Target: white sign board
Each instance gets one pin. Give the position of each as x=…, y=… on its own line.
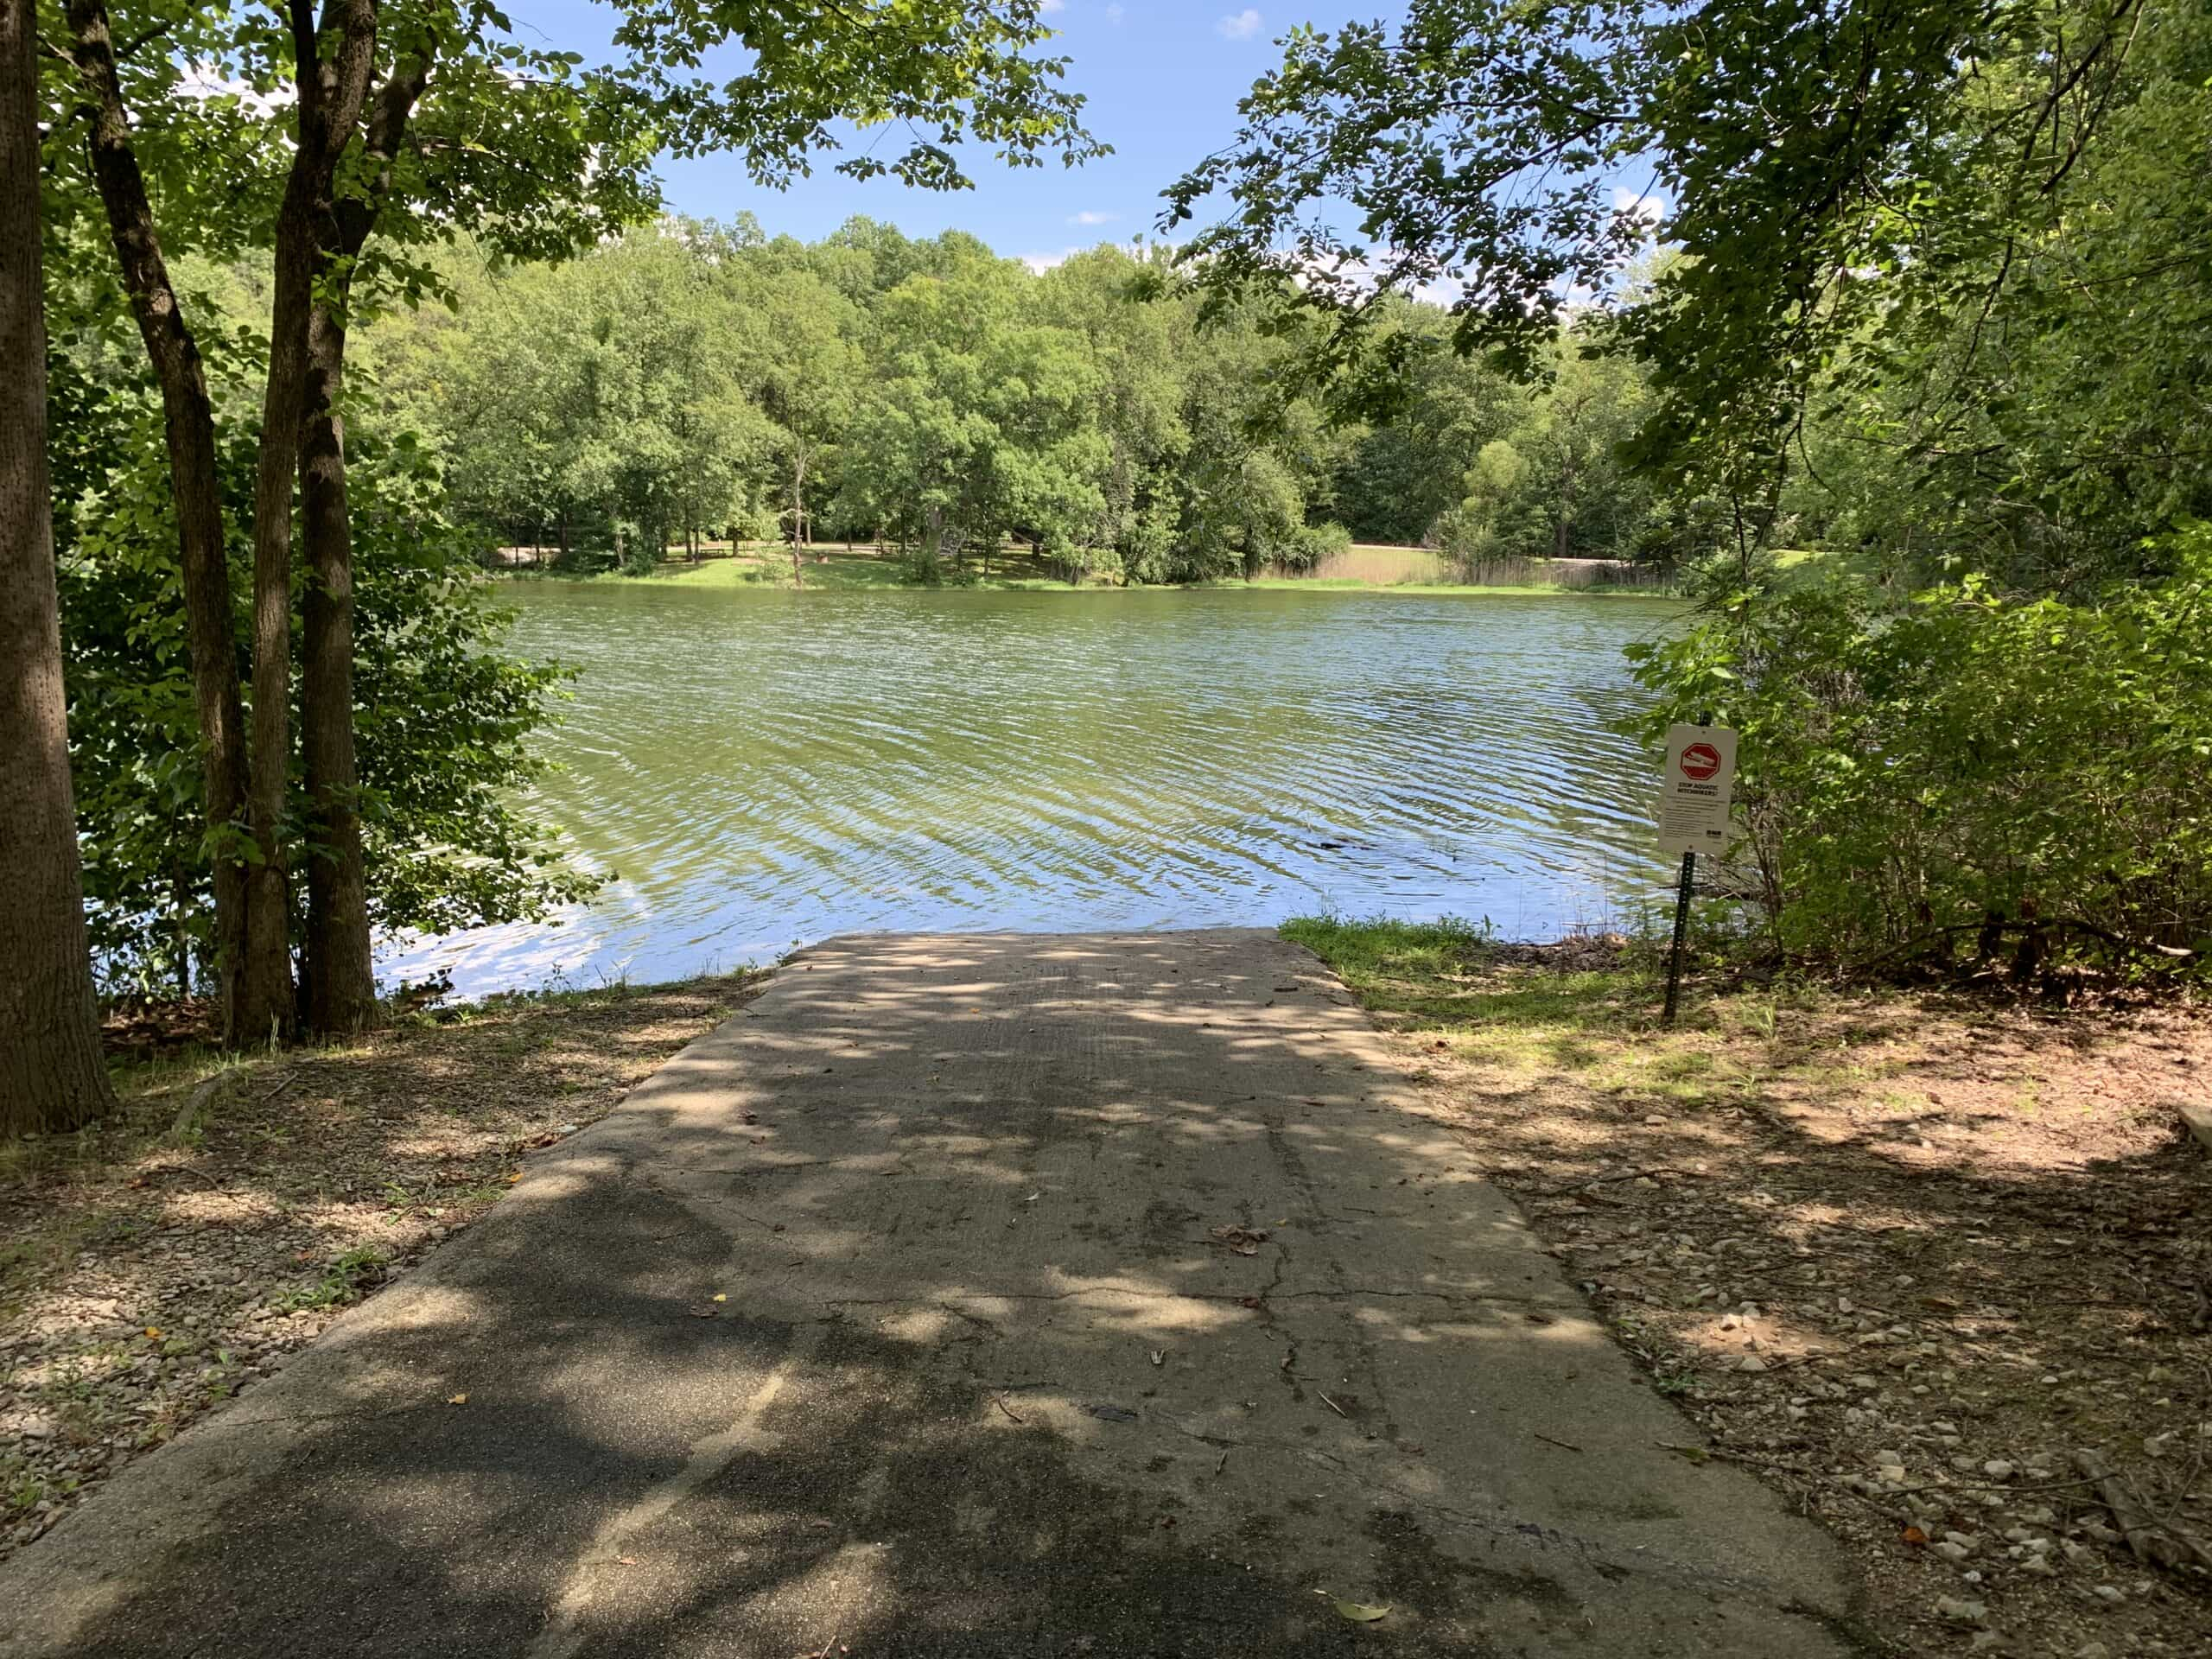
x=1701, y=781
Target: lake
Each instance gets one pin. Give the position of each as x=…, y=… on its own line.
x=754, y=770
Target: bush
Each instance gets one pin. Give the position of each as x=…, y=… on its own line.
x=1311, y=546
x=1970, y=776
x=445, y=715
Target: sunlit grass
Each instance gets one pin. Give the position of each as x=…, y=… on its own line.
x=831, y=568
x=1445, y=976
x=1452, y=988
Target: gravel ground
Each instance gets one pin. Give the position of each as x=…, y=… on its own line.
x=179, y=1253
x=1930, y=1265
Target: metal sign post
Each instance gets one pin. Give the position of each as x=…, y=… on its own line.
x=1682, y=931
x=1693, y=802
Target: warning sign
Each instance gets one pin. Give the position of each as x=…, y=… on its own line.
x=1700, y=783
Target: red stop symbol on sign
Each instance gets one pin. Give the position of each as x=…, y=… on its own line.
x=1700, y=761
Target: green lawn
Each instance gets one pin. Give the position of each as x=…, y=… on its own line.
x=831, y=568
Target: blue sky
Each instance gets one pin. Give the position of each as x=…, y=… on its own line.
x=1163, y=78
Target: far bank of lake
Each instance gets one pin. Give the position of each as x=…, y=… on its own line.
x=760, y=768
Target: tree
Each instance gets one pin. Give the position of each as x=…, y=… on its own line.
x=1484, y=145
x=337, y=97
x=983, y=422
x=173, y=350
x=451, y=837
x=1142, y=349
x=52, y=1076
x=803, y=369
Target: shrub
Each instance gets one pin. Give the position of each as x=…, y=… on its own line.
x=1311, y=546
x=1969, y=775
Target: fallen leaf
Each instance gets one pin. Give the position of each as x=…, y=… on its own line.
x=153, y=1333
x=626, y=1560
x=456, y=1400
x=720, y=1296
x=1359, y=1612
x=1159, y=1356
x=1244, y=1241
x=1915, y=1536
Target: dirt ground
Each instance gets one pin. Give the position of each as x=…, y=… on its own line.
x=179, y=1253
x=1938, y=1268
x=1931, y=1265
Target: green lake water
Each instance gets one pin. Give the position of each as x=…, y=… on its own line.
x=757, y=769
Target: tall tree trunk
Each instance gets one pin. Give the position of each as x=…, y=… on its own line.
x=1562, y=538
x=265, y=992
x=333, y=86
x=51, y=1073
x=341, y=978
x=798, y=575
x=188, y=418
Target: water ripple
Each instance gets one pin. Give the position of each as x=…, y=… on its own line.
x=763, y=769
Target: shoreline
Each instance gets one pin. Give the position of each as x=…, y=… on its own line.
x=859, y=572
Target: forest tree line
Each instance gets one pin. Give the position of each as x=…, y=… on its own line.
x=690, y=381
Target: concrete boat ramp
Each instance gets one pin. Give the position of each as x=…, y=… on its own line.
x=990, y=1295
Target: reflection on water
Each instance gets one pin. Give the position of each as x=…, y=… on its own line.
x=757, y=769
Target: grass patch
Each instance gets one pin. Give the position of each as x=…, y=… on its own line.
x=762, y=569
x=1453, y=978
x=1353, y=584
x=351, y=1277
x=824, y=569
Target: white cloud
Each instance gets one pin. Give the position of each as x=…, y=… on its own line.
x=1648, y=205
x=1242, y=27
x=1052, y=6
x=1092, y=216
x=1114, y=14
x=1418, y=278
x=1041, y=262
